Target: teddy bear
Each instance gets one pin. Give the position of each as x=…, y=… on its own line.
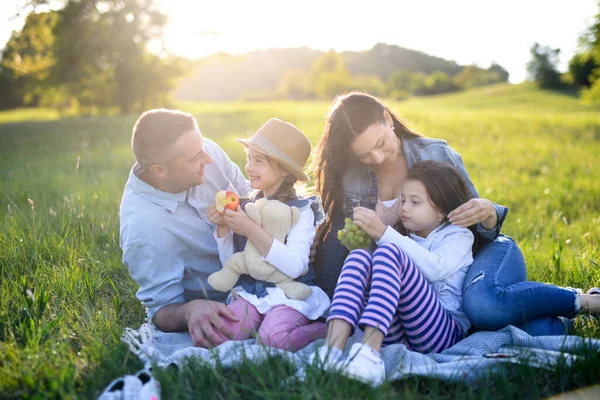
x=277, y=219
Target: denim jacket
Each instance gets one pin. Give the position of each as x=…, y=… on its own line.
x=360, y=189
x=258, y=288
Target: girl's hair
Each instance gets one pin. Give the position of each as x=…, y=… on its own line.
x=348, y=117
x=445, y=185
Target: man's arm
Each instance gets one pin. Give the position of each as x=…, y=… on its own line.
x=233, y=172
x=158, y=274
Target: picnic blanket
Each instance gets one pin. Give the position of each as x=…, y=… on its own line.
x=479, y=353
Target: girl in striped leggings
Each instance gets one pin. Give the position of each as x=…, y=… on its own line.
x=410, y=289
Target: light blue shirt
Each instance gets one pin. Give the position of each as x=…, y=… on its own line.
x=167, y=239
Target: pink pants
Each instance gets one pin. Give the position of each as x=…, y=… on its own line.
x=282, y=327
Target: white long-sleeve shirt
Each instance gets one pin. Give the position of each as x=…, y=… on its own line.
x=291, y=258
x=443, y=257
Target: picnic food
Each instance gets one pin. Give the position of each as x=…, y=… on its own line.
x=226, y=200
x=353, y=237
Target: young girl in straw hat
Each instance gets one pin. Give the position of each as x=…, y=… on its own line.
x=276, y=155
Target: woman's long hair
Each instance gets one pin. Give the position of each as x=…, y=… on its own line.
x=445, y=185
x=348, y=117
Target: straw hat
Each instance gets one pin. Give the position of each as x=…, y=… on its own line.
x=282, y=142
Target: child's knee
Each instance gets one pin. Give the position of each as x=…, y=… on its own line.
x=387, y=247
x=278, y=339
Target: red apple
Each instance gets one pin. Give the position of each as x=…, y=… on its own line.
x=226, y=200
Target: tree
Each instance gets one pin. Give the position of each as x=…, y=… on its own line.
x=102, y=57
x=439, y=82
x=329, y=76
x=295, y=85
x=581, y=68
x=590, y=44
x=27, y=61
x=499, y=71
x=542, y=67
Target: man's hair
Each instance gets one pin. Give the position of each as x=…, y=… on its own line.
x=157, y=130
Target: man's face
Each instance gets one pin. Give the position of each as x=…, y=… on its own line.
x=185, y=161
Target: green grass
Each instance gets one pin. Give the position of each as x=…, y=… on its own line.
x=536, y=152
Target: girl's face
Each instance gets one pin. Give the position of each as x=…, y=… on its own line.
x=377, y=145
x=263, y=175
x=418, y=215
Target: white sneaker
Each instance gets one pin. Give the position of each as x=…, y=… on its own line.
x=326, y=357
x=365, y=364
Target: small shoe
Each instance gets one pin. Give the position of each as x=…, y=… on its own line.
x=365, y=364
x=150, y=386
x=327, y=358
x=594, y=291
x=590, y=304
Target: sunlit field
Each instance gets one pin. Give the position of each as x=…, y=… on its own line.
x=65, y=295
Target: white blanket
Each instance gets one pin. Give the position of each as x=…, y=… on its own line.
x=478, y=354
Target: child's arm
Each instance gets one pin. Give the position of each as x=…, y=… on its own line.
x=222, y=234
x=439, y=262
x=291, y=258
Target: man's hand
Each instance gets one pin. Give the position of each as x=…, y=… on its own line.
x=207, y=322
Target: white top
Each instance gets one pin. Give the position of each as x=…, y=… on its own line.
x=389, y=203
x=290, y=258
x=443, y=257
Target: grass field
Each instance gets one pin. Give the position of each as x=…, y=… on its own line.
x=65, y=296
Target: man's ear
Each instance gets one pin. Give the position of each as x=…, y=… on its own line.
x=158, y=170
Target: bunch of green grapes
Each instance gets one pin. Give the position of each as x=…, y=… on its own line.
x=353, y=237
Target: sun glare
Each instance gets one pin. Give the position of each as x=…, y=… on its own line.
x=475, y=33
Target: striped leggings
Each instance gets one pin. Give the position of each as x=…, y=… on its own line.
x=389, y=293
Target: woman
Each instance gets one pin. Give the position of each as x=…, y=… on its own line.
x=362, y=160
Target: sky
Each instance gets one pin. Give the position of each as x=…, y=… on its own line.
x=467, y=31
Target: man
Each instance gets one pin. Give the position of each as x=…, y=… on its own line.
x=166, y=237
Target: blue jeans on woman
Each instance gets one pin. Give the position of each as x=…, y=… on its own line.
x=496, y=293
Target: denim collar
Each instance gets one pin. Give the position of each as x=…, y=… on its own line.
x=167, y=200
x=409, y=148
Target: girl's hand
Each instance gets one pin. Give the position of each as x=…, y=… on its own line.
x=239, y=222
x=369, y=222
x=473, y=212
x=215, y=217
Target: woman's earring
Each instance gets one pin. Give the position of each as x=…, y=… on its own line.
x=440, y=218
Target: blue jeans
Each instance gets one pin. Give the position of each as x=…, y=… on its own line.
x=496, y=293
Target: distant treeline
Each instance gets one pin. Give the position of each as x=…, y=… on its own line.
x=303, y=73
x=89, y=56
x=584, y=66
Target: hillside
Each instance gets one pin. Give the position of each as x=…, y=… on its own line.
x=505, y=97
x=226, y=78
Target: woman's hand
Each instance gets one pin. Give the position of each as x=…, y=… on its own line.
x=239, y=222
x=475, y=211
x=369, y=222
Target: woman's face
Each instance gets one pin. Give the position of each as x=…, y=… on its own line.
x=377, y=144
